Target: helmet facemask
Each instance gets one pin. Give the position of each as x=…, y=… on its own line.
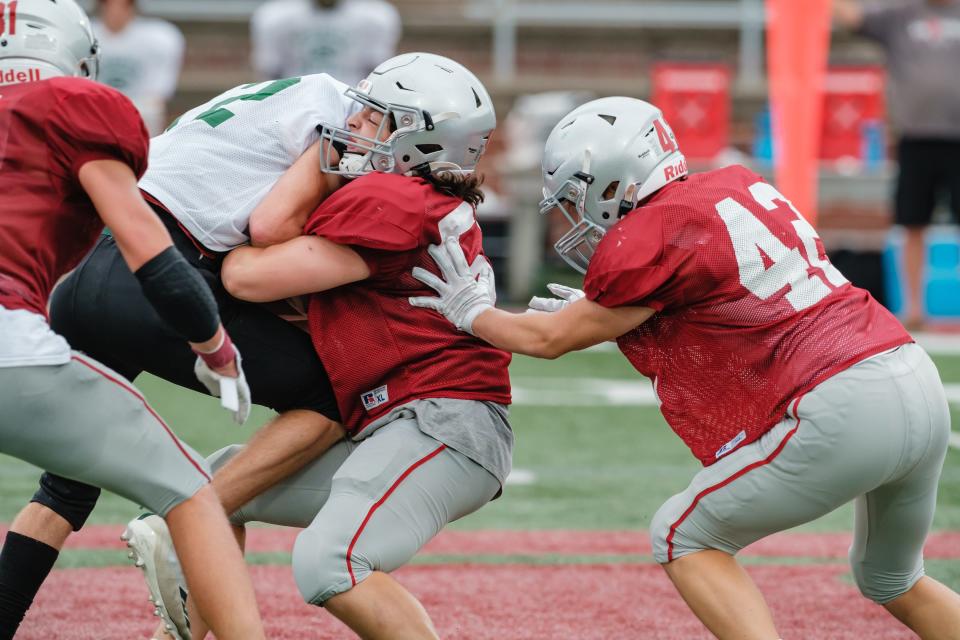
x=576, y=246
x=600, y=162
x=378, y=155
x=589, y=218
x=439, y=113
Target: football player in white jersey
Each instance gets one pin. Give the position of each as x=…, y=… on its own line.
x=141, y=57
x=345, y=38
x=209, y=180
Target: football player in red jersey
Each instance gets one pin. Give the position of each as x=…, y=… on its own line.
x=796, y=390
x=72, y=151
x=424, y=405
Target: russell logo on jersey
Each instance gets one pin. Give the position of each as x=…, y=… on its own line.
x=374, y=398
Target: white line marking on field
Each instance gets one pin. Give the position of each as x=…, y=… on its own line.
x=955, y=440
x=945, y=344
x=939, y=343
x=521, y=477
x=595, y=392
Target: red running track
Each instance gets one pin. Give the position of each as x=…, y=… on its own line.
x=503, y=601
x=481, y=602
x=943, y=544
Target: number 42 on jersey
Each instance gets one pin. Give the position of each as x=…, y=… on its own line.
x=784, y=267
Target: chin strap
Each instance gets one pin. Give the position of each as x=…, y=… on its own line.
x=629, y=202
x=353, y=162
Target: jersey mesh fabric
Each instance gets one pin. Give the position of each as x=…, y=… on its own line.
x=380, y=351
x=48, y=131
x=724, y=361
x=255, y=130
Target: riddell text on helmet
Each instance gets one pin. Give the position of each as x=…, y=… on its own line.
x=18, y=75
x=675, y=170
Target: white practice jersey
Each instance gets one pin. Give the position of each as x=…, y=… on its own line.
x=26, y=340
x=293, y=37
x=216, y=162
x=143, y=62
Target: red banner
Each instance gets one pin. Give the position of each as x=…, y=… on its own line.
x=695, y=100
x=853, y=97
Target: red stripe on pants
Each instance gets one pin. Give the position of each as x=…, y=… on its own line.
x=379, y=503
x=139, y=397
x=720, y=485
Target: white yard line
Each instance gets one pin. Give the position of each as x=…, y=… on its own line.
x=606, y=392
x=939, y=343
x=943, y=344
x=521, y=477
x=955, y=440
x=594, y=392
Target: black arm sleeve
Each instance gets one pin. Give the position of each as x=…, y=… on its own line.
x=179, y=295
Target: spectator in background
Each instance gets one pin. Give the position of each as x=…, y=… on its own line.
x=922, y=42
x=141, y=57
x=345, y=38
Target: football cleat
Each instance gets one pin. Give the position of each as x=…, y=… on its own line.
x=152, y=551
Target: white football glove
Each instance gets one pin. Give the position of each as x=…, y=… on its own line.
x=234, y=393
x=463, y=295
x=565, y=294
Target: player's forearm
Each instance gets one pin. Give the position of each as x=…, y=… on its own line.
x=578, y=325
x=306, y=264
x=281, y=214
x=242, y=276
x=531, y=334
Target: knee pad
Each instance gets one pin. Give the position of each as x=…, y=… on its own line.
x=659, y=531
x=69, y=499
x=881, y=585
x=216, y=460
x=321, y=566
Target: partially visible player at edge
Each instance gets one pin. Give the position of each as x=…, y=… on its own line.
x=797, y=390
x=72, y=151
x=214, y=181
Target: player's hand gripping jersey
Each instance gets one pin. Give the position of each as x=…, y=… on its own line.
x=258, y=130
x=48, y=130
x=750, y=311
x=379, y=350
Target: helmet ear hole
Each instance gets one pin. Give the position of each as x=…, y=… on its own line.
x=427, y=149
x=611, y=190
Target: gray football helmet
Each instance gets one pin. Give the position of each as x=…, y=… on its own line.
x=442, y=113
x=46, y=38
x=600, y=160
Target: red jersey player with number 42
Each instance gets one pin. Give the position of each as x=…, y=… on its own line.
x=797, y=390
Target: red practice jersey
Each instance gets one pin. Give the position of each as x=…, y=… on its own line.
x=48, y=130
x=379, y=350
x=750, y=312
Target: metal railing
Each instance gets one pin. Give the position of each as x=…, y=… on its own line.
x=506, y=17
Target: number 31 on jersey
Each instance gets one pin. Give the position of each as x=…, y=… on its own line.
x=784, y=267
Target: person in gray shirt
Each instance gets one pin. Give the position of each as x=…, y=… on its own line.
x=921, y=39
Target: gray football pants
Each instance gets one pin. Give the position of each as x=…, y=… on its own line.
x=875, y=433
x=369, y=505
x=85, y=422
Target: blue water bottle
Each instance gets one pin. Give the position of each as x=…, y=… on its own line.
x=873, y=147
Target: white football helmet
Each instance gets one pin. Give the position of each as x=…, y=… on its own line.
x=604, y=157
x=46, y=38
x=441, y=112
